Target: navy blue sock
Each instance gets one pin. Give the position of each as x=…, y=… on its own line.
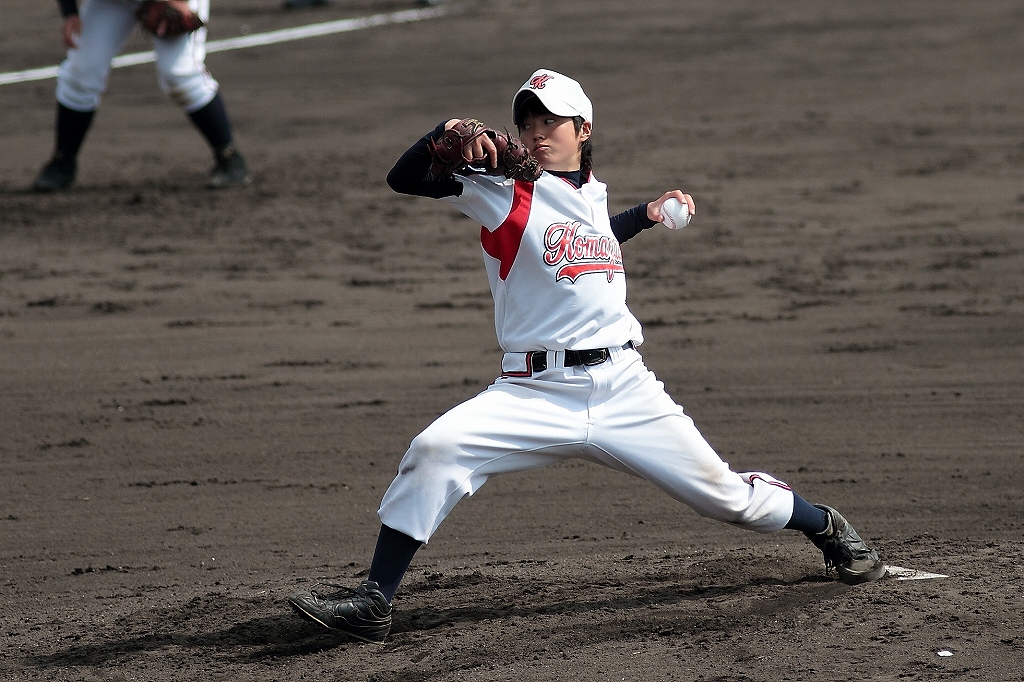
x=807, y=518
x=72, y=126
x=212, y=121
x=391, y=559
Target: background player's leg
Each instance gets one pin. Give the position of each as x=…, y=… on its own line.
x=59, y=173
x=230, y=167
x=71, y=129
x=82, y=78
x=182, y=74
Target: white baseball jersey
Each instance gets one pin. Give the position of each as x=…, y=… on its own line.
x=554, y=266
x=556, y=274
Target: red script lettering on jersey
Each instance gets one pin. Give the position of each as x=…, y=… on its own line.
x=582, y=254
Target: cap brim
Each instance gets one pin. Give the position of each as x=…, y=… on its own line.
x=553, y=104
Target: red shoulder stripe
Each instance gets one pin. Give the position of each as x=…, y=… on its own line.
x=503, y=243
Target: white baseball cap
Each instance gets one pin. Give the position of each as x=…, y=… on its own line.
x=559, y=94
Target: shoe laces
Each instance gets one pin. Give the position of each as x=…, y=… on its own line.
x=837, y=553
x=840, y=549
x=839, y=543
x=340, y=591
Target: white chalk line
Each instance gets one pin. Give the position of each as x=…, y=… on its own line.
x=901, y=573
x=257, y=39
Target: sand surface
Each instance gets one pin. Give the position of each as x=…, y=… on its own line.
x=205, y=394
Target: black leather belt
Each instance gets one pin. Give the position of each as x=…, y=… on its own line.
x=593, y=356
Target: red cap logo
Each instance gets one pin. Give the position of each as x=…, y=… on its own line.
x=538, y=82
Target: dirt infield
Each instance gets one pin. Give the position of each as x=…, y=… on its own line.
x=205, y=394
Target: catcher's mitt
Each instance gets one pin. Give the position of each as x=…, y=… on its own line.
x=167, y=18
x=514, y=160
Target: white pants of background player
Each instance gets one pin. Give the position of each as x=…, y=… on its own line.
x=106, y=25
x=616, y=414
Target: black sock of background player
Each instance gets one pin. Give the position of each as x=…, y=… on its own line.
x=807, y=518
x=71, y=129
x=212, y=122
x=391, y=559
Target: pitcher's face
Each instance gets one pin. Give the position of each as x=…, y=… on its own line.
x=553, y=140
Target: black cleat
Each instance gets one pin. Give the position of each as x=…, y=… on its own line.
x=844, y=551
x=363, y=613
x=231, y=170
x=56, y=176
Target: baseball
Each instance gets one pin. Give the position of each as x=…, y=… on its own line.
x=675, y=215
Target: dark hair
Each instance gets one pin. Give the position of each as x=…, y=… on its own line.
x=528, y=104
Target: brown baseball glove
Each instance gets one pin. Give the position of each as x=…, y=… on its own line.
x=514, y=160
x=167, y=18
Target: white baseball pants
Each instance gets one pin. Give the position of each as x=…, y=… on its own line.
x=616, y=414
x=106, y=25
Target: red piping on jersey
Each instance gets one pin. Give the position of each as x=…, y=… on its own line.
x=777, y=484
x=584, y=179
x=503, y=243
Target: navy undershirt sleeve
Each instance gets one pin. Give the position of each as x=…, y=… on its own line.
x=631, y=222
x=411, y=173
x=68, y=7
